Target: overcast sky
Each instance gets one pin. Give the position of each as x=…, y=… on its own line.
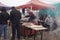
x=21, y=2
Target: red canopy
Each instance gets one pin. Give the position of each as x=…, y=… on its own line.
x=35, y=5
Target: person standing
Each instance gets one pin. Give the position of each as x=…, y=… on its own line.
x=15, y=17
x=23, y=11
x=4, y=17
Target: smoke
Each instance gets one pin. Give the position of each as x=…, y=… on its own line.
x=57, y=21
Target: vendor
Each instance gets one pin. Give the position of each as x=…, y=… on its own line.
x=31, y=15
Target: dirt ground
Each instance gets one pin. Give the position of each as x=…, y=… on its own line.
x=46, y=36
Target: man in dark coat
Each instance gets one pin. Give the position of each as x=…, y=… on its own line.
x=15, y=17
x=4, y=17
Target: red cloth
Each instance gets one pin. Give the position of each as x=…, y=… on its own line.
x=27, y=31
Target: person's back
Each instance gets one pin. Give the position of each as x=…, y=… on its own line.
x=15, y=16
x=4, y=16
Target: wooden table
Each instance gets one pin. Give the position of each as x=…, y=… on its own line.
x=35, y=27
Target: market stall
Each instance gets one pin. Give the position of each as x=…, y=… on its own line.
x=34, y=5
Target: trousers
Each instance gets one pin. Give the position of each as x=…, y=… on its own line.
x=3, y=27
x=16, y=29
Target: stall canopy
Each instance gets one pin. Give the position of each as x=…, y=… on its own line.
x=2, y=5
x=36, y=4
